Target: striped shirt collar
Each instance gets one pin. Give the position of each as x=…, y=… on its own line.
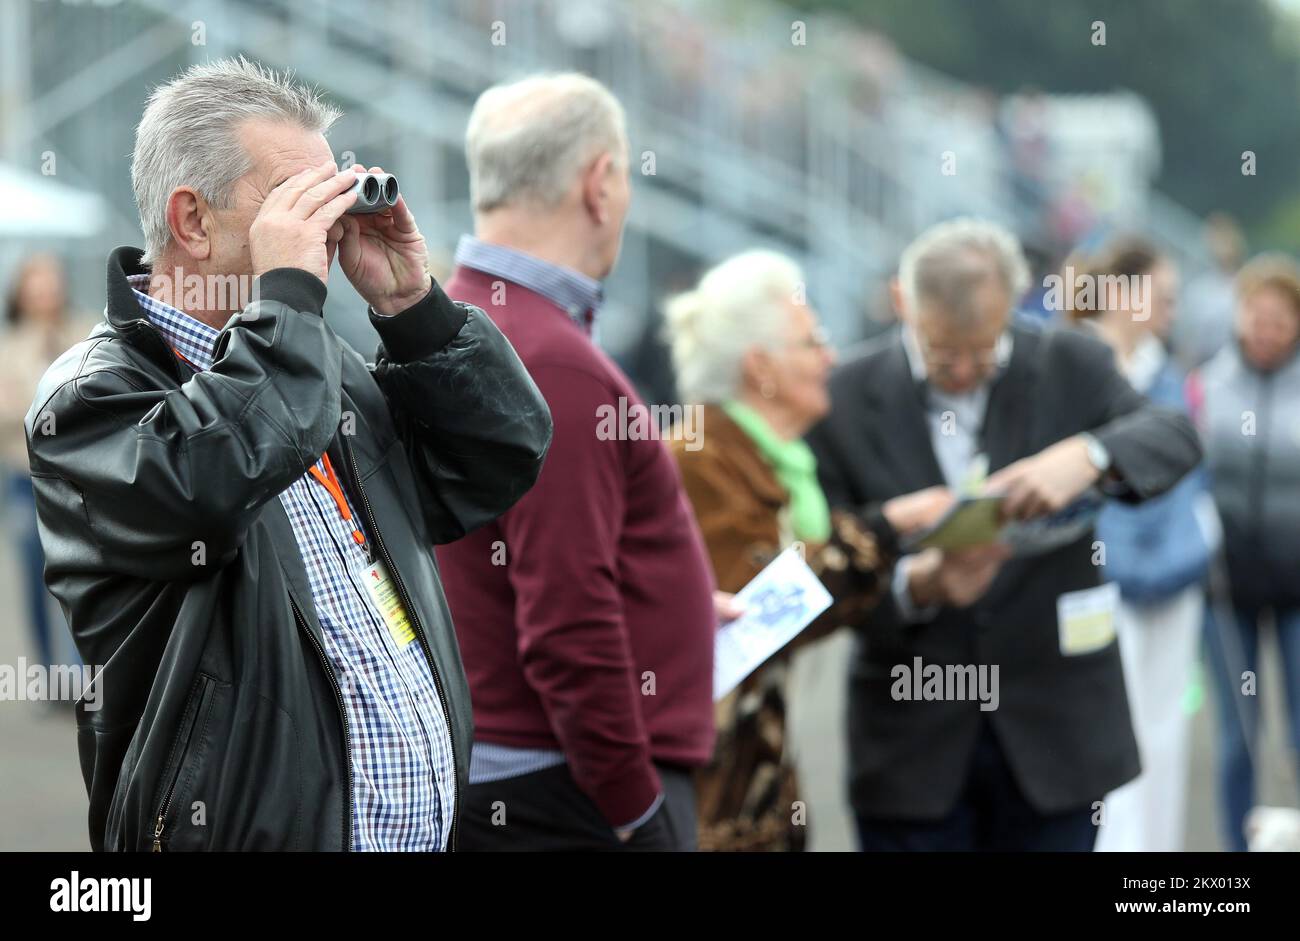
x=192, y=338
x=572, y=291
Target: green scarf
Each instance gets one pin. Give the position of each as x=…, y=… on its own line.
x=795, y=467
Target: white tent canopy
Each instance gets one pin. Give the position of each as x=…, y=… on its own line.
x=35, y=206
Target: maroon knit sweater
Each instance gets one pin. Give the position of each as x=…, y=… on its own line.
x=585, y=613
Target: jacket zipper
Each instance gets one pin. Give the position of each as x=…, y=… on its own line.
x=424, y=643
x=343, y=714
x=161, y=822
x=149, y=327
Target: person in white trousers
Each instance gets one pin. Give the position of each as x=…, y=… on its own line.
x=1157, y=553
x=1158, y=644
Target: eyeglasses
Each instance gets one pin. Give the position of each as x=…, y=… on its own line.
x=818, y=339
x=945, y=357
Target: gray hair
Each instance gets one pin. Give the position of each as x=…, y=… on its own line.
x=188, y=135
x=948, y=261
x=737, y=305
x=527, y=141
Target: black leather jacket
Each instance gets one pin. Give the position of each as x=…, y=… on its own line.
x=221, y=724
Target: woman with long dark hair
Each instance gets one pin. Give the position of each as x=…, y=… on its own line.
x=38, y=327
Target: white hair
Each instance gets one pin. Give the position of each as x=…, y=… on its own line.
x=528, y=140
x=188, y=135
x=738, y=304
x=946, y=262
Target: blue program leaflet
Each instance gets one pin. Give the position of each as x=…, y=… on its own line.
x=780, y=602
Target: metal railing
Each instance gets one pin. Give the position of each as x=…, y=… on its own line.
x=754, y=139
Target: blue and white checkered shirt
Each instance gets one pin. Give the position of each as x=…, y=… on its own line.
x=403, y=784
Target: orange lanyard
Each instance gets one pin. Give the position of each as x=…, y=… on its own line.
x=186, y=359
x=330, y=481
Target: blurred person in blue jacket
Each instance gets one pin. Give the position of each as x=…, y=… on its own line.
x=1250, y=420
x=1157, y=553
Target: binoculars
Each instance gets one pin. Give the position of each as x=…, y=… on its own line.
x=375, y=193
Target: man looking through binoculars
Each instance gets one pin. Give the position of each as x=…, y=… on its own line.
x=239, y=512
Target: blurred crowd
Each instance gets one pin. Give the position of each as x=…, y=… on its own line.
x=1203, y=571
x=852, y=455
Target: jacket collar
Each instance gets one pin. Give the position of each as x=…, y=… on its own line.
x=124, y=313
x=123, y=309
x=898, y=426
x=900, y=408
x=1011, y=400
x=728, y=442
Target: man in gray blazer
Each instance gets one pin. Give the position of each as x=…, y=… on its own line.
x=986, y=707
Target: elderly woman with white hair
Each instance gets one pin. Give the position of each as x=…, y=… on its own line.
x=750, y=351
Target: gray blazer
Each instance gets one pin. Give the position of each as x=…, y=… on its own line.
x=1252, y=448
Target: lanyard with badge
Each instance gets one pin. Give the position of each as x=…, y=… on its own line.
x=379, y=584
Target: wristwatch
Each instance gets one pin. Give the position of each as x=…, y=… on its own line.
x=1097, y=453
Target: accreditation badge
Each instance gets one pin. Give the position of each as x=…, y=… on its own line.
x=383, y=592
x=1086, y=619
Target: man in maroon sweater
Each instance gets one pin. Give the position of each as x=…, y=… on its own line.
x=585, y=614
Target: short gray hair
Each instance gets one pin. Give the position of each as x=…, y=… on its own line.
x=188, y=135
x=737, y=305
x=948, y=261
x=526, y=141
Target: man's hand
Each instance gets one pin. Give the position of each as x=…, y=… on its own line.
x=1047, y=482
x=914, y=512
x=725, y=608
x=956, y=579
x=384, y=256
x=298, y=221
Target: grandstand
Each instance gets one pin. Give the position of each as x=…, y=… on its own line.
x=797, y=132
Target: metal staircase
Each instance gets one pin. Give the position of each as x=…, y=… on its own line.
x=752, y=139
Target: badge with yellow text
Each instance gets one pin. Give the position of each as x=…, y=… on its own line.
x=383, y=592
x=1086, y=619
